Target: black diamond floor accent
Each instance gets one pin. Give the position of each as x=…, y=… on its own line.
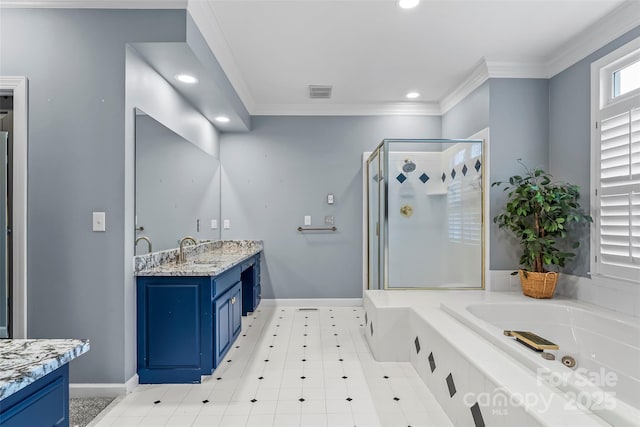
x=219, y=378
x=432, y=362
x=371, y=326
x=349, y=399
x=396, y=398
x=260, y=378
x=229, y=361
x=338, y=345
x=341, y=360
x=301, y=399
x=344, y=377
x=253, y=400
x=304, y=360
x=386, y=377
x=205, y=401
x=303, y=377
x=156, y=402
x=417, y=343
x=266, y=360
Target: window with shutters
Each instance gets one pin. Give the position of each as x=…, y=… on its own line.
x=616, y=163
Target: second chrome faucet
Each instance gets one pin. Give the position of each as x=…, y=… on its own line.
x=181, y=256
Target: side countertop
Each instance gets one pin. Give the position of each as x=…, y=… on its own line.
x=25, y=361
x=203, y=259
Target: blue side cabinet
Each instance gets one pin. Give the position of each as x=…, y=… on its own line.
x=45, y=402
x=186, y=325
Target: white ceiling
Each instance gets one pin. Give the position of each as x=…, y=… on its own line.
x=373, y=52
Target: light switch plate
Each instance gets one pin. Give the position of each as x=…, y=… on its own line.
x=99, y=221
x=226, y=224
x=330, y=199
x=214, y=224
x=307, y=220
x=328, y=220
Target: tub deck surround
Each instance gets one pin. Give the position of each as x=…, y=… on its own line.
x=204, y=259
x=474, y=381
x=24, y=361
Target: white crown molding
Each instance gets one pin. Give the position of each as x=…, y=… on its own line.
x=325, y=109
x=95, y=4
x=621, y=20
x=515, y=69
x=478, y=76
x=206, y=21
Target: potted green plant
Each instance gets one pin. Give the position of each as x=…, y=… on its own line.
x=540, y=212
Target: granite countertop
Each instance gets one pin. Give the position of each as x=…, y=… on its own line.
x=204, y=259
x=23, y=362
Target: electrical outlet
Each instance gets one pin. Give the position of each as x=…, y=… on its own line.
x=307, y=220
x=328, y=220
x=214, y=224
x=226, y=224
x=99, y=221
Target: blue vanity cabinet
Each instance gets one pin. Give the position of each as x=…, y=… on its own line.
x=186, y=324
x=44, y=402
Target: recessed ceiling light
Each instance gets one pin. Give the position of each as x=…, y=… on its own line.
x=408, y=4
x=412, y=95
x=223, y=119
x=186, y=78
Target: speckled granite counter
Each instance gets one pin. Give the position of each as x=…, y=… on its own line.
x=204, y=259
x=23, y=362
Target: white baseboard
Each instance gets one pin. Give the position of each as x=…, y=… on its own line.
x=312, y=302
x=103, y=389
x=3, y=332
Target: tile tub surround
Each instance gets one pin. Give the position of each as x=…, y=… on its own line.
x=475, y=382
x=204, y=259
x=25, y=361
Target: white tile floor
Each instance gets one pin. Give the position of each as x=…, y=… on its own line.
x=290, y=367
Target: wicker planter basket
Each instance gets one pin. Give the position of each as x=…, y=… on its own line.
x=538, y=285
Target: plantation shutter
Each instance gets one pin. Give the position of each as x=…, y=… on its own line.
x=618, y=219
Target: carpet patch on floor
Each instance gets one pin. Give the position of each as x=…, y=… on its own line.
x=83, y=410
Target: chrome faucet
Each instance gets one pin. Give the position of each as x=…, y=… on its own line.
x=145, y=238
x=181, y=256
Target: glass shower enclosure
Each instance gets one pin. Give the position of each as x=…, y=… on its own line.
x=425, y=214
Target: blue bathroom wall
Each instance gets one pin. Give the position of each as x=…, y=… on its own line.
x=283, y=170
x=469, y=116
x=519, y=123
x=570, y=131
x=75, y=63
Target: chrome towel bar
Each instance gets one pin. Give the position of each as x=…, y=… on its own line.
x=318, y=229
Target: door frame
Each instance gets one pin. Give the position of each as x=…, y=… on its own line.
x=17, y=87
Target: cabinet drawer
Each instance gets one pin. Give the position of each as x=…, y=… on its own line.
x=225, y=281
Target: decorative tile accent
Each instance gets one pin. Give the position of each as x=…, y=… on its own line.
x=432, y=362
x=371, y=328
x=444, y=176
x=477, y=165
x=453, y=174
x=477, y=415
x=451, y=385
x=417, y=343
x=464, y=170
x=402, y=178
x=424, y=178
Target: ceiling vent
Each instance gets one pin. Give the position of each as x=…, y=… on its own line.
x=320, y=91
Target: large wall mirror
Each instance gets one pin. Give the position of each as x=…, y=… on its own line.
x=177, y=188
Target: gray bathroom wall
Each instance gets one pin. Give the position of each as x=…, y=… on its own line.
x=75, y=61
x=519, y=122
x=570, y=131
x=283, y=170
x=469, y=116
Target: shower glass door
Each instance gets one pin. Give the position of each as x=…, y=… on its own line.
x=4, y=253
x=425, y=214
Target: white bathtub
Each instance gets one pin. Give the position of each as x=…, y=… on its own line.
x=605, y=345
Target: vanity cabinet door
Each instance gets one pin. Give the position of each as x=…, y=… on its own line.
x=227, y=321
x=222, y=327
x=236, y=311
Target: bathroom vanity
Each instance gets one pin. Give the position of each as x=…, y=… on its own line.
x=34, y=381
x=189, y=314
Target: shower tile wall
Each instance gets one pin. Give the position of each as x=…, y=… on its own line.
x=439, y=244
